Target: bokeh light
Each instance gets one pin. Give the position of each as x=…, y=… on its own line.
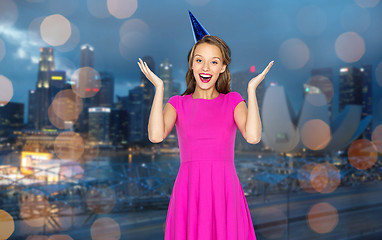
x=366, y=3
x=105, y=228
x=304, y=177
x=67, y=105
x=69, y=146
x=311, y=20
x=73, y=40
x=350, y=47
x=378, y=74
x=271, y=222
x=362, y=154
x=91, y=149
x=122, y=8
x=8, y=14
x=98, y=8
x=56, y=121
x=6, y=90
x=55, y=30
x=198, y=2
x=101, y=199
x=315, y=134
x=134, y=35
x=294, y=53
x=86, y=82
x=60, y=237
x=134, y=25
x=376, y=137
x=319, y=177
x=7, y=225
x=66, y=8
x=2, y=49
x=325, y=178
x=354, y=18
x=35, y=209
x=323, y=218
x=324, y=84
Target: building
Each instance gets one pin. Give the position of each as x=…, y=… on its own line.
x=42, y=92
x=99, y=124
x=87, y=56
x=165, y=73
x=356, y=88
x=11, y=118
x=136, y=115
x=105, y=96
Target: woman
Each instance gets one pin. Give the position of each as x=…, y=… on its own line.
x=207, y=200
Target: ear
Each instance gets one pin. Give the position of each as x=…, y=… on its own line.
x=223, y=68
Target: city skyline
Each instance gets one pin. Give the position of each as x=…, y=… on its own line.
x=298, y=36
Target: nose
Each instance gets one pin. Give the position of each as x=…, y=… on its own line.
x=205, y=66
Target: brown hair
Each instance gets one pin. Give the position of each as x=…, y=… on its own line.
x=222, y=85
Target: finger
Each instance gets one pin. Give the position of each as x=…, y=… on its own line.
x=267, y=68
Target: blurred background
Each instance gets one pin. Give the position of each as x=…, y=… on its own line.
x=75, y=159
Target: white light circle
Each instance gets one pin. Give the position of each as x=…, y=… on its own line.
x=294, y=53
x=122, y=8
x=55, y=30
x=350, y=47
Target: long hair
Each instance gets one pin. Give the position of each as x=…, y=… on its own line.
x=222, y=85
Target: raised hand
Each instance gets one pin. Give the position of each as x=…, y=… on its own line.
x=154, y=79
x=257, y=80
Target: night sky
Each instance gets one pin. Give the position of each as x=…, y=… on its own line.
x=298, y=35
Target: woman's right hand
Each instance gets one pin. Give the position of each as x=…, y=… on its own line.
x=154, y=79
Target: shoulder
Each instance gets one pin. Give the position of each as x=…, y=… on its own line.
x=235, y=98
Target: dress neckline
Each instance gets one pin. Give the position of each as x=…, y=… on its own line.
x=220, y=94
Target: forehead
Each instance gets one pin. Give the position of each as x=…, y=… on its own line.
x=208, y=50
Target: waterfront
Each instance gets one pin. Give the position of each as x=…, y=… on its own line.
x=131, y=193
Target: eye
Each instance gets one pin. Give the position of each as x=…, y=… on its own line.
x=198, y=60
x=214, y=62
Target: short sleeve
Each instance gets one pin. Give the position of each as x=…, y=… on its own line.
x=174, y=101
x=235, y=99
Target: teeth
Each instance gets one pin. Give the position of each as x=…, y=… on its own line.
x=205, y=76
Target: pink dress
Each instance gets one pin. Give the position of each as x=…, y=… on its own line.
x=207, y=201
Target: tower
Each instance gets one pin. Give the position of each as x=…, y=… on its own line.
x=42, y=93
x=87, y=56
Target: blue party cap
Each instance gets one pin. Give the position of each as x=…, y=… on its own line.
x=198, y=29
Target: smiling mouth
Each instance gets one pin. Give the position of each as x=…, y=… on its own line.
x=205, y=77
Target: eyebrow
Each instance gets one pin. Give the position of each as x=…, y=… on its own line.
x=202, y=56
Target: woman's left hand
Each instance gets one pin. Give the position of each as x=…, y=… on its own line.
x=257, y=80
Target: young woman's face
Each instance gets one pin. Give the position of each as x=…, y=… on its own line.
x=207, y=65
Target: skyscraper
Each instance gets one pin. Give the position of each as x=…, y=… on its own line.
x=99, y=124
x=367, y=97
x=350, y=87
x=136, y=114
x=11, y=118
x=42, y=94
x=165, y=73
x=105, y=96
x=87, y=56
x=356, y=88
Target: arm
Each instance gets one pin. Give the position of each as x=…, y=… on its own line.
x=249, y=123
x=156, y=120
